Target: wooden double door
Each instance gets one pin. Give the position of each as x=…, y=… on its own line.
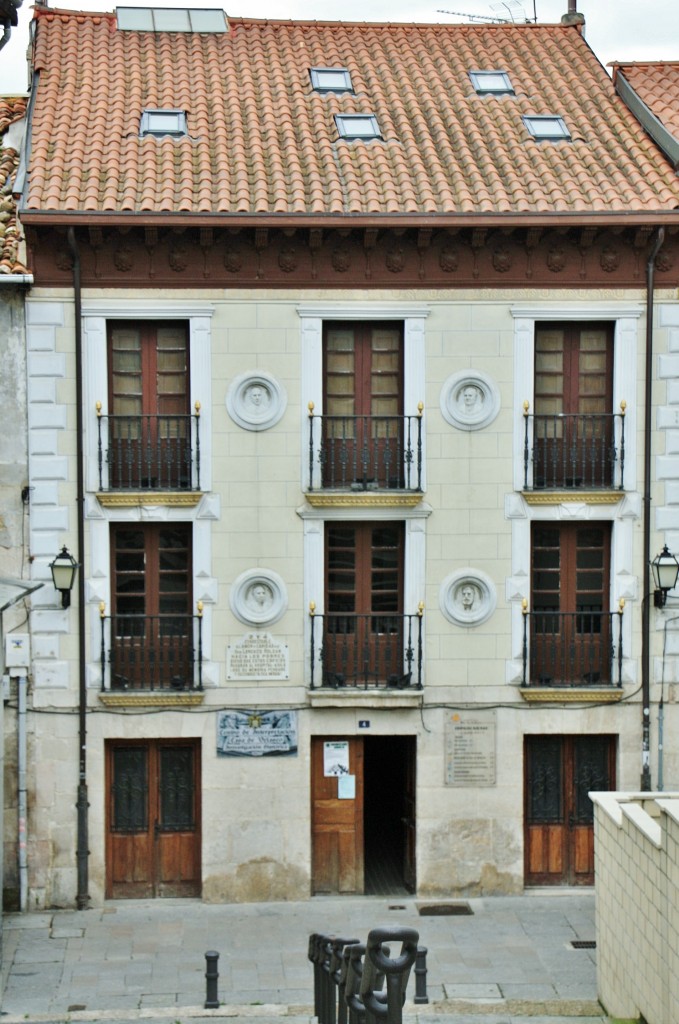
x=560, y=772
x=153, y=832
x=363, y=826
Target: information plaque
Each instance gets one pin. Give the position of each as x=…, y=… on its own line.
x=470, y=749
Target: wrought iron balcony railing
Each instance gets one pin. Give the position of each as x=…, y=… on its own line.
x=572, y=649
x=152, y=652
x=377, y=651
x=363, y=453
x=574, y=451
x=154, y=453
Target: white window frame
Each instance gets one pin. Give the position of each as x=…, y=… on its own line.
x=95, y=317
x=312, y=318
x=317, y=73
x=344, y=122
x=623, y=514
x=481, y=80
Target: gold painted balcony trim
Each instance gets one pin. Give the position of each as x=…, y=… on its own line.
x=152, y=700
x=572, y=496
x=371, y=499
x=571, y=694
x=130, y=499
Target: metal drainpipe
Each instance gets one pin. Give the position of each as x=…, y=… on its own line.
x=82, y=851
x=22, y=796
x=645, y=606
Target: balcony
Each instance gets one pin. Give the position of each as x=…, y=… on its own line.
x=148, y=452
x=574, y=452
x=367, y=652
x=574, y=650
x=152, y=653
x=365, y=453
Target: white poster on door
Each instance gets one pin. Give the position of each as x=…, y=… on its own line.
x=336, y=757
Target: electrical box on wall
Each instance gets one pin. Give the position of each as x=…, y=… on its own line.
x=17, y=651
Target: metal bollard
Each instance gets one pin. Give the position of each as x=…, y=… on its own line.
x=421, y=976
x=211, y=979
x=378, y=963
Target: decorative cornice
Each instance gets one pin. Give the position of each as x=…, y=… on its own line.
x=570, y=496
x=152, y=700
x=355, y=698
x=571, y=695
x=137, y=499
x=399, y=499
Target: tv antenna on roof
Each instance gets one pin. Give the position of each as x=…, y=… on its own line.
x=509, y=12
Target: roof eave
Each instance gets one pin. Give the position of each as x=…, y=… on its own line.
x=61, y=218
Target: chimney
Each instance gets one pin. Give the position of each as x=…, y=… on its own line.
x=572, y=16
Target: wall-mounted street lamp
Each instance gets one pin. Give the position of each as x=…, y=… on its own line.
x=665, y=569
x=64, y=568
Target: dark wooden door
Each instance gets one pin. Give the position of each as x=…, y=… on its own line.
x=573, y=439
x=363, y=442
x=570, y=641
x=559, y=772
x=364, y=627
x=153, y=831
x=336, y=823
x=151, y=636
x=149, y=435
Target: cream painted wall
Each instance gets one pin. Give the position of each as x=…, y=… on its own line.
x=256, y=832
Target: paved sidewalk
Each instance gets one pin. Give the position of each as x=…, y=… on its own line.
x=145, y=959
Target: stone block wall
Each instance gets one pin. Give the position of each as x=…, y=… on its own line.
x=637, y=904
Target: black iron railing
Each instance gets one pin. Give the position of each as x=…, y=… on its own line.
x=155, y=453
x=582, y=648
x=152, y=652
x=368, y=651
x=574, y=451
x=363, y=453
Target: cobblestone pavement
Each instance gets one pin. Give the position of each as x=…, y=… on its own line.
x=131, y=960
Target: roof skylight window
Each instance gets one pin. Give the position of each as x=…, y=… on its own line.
x=357, y=126
x=163, y=122
x=491, y=81
x=331, y=80
x=547, y=128
x=170, y=19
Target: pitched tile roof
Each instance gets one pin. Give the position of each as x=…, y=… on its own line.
x=262, y=143
x=657, y=84
x=11, y=110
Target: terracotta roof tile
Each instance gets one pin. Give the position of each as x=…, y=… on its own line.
x=12, y=109
x=657, y=84
x=261, y=141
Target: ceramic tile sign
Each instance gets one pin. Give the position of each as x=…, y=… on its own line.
x=256, y=733
x=470, y=749
x=336, y=757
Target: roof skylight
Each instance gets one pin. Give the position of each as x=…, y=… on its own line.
x=491, y=81
x=547, y=128
x=170, y=19
x=163, y=122
x=331, y=79
x=357, y=126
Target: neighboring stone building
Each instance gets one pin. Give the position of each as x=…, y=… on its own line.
x=344, y=327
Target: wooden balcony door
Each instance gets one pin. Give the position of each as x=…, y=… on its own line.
x=559, y=772
x=570, y=635
x=151, y=635
x=573, y=380
x=363, y=405
x=153, y=830
x=150, y=434
x=363, y=642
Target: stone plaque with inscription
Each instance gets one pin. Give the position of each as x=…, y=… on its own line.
x=470, y=749
x=256, y=733
x=257, y=656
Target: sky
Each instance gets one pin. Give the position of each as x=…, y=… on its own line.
x=615, y=29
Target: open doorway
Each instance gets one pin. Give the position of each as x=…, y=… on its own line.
x=389, y=815
x=363, y=815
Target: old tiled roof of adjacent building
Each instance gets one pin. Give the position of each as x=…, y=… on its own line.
x=657, y=85
x=11, y=110
x=262, y=143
